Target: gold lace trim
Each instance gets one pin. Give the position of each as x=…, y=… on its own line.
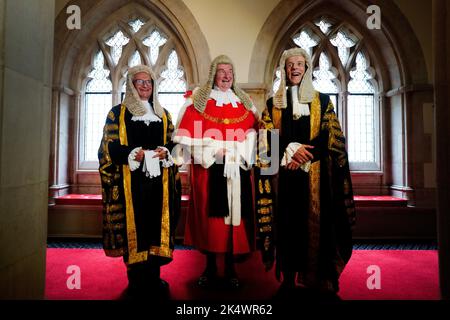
x=225, y=120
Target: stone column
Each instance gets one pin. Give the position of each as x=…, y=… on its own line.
x=60, y=143
x=26, y=54
x=441, y=68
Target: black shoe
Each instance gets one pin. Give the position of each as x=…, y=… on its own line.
x=134, y=293
x=158, y=290
x=232, y=282
x=207, y=279
x=164, y=284
x=204, y=281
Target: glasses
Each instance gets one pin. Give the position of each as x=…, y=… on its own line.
x=142, y=82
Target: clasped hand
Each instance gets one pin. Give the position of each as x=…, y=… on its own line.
x=160, y=153
x=302, y=156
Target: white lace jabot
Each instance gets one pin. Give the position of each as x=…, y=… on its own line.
x=298, y=109
x=150, y=116
x=224, y=97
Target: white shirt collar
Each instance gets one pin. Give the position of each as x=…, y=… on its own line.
x=224, y=97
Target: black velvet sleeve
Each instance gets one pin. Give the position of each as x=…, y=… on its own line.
x=119, y=153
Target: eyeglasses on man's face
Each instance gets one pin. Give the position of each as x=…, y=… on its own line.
x=143, y=82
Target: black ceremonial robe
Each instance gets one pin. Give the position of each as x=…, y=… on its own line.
x=314, y=210
x=139, y=213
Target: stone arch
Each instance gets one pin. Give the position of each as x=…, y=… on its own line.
x=73, y=54
x=398, y=59
x=394, y=50
x=73, y=47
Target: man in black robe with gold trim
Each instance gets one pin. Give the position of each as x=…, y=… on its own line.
x=140, y=185
x=314, y=207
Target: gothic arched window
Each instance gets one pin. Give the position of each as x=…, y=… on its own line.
x=125, y=45
x=342, y=70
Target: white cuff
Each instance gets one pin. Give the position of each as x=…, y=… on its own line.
x=204, y=155
x=133, y=164
x=247, y=151
x=291, y=149
x=168, y=162
x=180, y=155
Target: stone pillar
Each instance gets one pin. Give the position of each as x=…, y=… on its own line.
x=441, y=68
x=60, y=143
x=26, y=51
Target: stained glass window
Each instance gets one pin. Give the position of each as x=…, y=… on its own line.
x=307, y=40
x=135, y=59
x=154, y=41
x=276, y=82
x=324, y=25
x=98, y=103
x=172, y=87
x=361, y=112
x=116, y=43
x=361, y=75
x=101, y=93
x=347, y=77
x=136, y=25
x=343, y=40
x=325, y=76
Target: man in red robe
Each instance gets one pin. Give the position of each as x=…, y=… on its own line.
x=216, y=133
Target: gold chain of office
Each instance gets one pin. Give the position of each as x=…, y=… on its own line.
x=226, y=120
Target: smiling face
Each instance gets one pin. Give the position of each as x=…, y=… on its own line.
x=143, y=84
x=295, y=69
x=224, y=77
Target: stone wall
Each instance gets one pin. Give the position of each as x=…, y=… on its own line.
x=26, y=50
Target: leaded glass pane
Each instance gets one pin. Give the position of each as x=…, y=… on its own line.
x=276, y=82
x=307, y=40
x=154, y=41
x=136, y=24
x=124, y=86
x=97, y=106
x=116, y=42
x=334, y=101
x=172, y=76
x=362, y=125
x=324, y=25
x=172, y=102
x=361, y=128
x=360, y=76
x=99, y=76
x=325, y=76
x=343, y=40
x=135, y=59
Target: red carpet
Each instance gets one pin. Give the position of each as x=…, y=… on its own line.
x=405, y=275
x=360, y=201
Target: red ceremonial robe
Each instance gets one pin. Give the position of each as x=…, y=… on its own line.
x=204, y=134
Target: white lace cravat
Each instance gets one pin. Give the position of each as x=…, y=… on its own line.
x=224, y=97
x=150, y=116
x=298, y=109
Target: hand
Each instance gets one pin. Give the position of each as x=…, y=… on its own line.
x=293, y=165
x=160, y=153
x=303, y=155
x=221, y=153
x=139, y=155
